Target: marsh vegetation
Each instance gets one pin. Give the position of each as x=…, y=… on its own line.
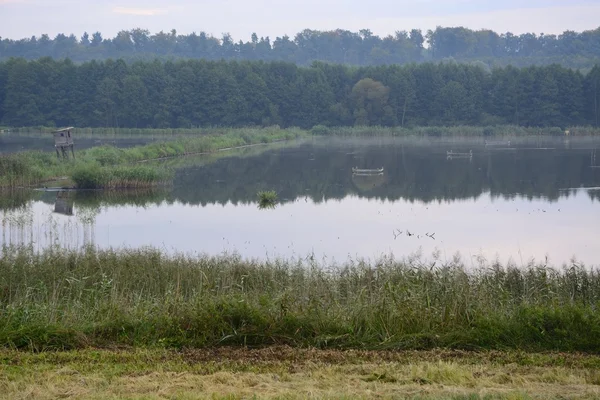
x=61, y=299
x=267, y=199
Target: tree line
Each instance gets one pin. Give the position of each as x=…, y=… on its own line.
x=574, y=49
x=198, y=93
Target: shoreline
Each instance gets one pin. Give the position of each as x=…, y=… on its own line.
x=322, y=130
x=60, y=299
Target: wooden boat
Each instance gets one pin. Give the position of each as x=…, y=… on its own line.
x=451, y=154
x=497, y=143
x=356, y=170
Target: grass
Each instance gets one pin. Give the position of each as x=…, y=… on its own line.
x=287, y=373
x=107, y=166
x=61, y=299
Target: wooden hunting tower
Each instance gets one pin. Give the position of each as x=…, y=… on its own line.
x=63, y=140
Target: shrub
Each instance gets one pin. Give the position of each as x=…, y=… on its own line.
x=89, y=177
x=320, y=130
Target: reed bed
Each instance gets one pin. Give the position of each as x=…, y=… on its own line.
x=267, y=199
x=161, y=132
x=120, y=177
x=455, y=131
x=61, y=299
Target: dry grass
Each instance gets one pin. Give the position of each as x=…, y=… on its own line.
x=283, y=372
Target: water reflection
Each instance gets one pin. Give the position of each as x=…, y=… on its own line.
x=352, y=198
x=63, y=203
x=414, y=171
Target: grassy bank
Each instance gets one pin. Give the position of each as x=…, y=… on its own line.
x=287, y=373
x=65, y=300
x=107, y=166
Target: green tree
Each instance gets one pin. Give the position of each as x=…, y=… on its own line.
x=370, y=102
x=592, y=96
x=136, y=112
x=453, y=102
x=21, y=95
x=108, y=100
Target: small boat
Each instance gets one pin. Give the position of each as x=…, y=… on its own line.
x=356, y=170
x=497, y=143
x=451, y=154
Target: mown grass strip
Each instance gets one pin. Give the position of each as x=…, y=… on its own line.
x=283, y=372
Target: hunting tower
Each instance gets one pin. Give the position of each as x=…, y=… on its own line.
x=63, y=140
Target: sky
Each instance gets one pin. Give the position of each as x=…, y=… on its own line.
x=25, y=18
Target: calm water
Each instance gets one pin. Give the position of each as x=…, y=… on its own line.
x=532, y=199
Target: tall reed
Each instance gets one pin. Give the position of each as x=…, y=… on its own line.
x=68, y=299
x=454, y=131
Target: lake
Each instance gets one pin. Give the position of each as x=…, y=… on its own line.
x=534, y=198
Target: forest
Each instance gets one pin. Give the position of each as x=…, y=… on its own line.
x=579, y=50
x=202, y=93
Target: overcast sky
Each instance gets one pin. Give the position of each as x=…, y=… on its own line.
x=24, y=18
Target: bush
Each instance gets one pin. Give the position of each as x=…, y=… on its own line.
x=105, y=155
x=89, y=177
x=320, y=130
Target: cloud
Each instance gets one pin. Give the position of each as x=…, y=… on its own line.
x=146, y=12
x=11, y=1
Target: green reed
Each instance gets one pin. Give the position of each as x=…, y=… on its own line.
x=120, y=177
x=69, y=299
x=455, y=131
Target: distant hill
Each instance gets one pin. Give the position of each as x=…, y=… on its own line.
x=579, y=50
